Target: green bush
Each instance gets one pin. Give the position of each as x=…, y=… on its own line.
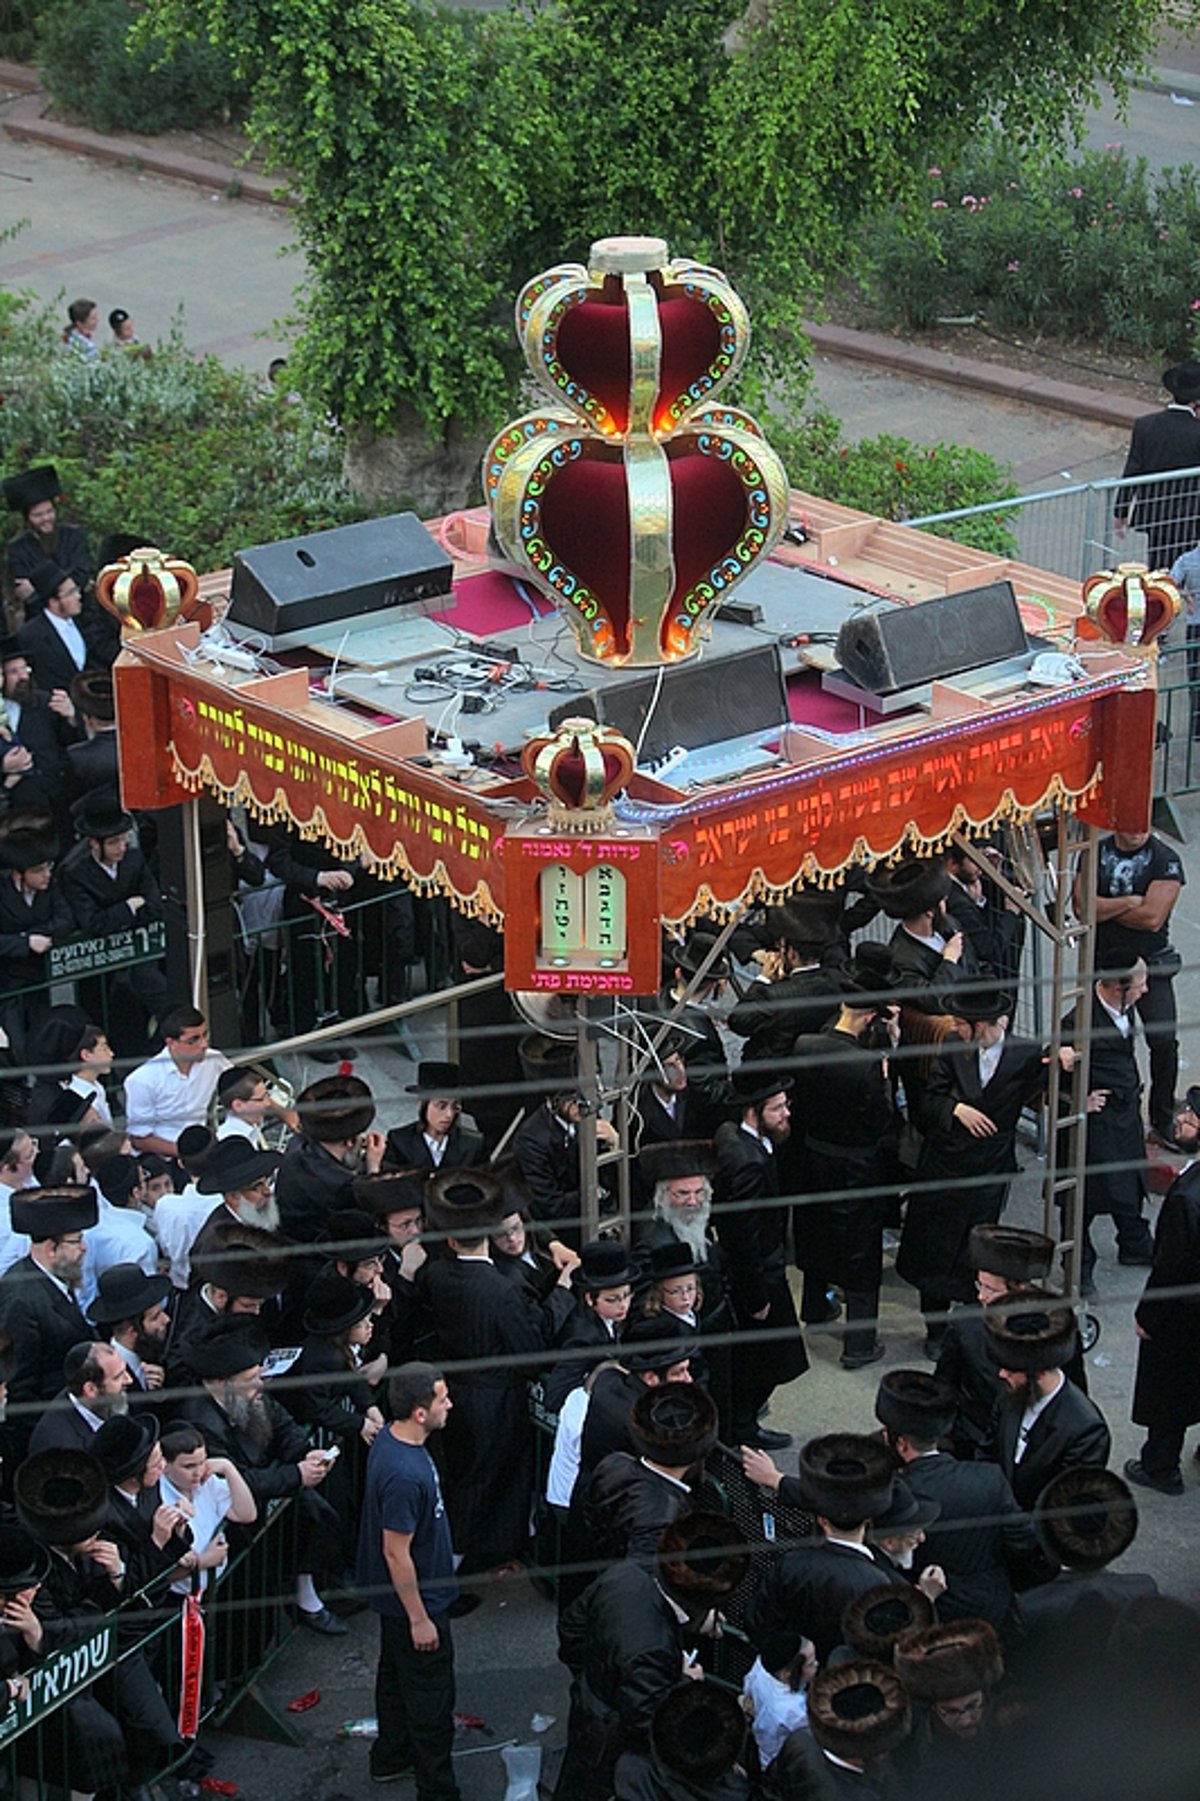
x=95, y=74
x=898, y=479
x=1092, y=247
x=18, y=20
x=186, y=454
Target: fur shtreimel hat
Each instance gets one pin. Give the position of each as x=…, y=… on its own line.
x=858, y=1709
x=53, y=1212
x=847, y=1476
x=941, y=1663
x=1013, y=1253
x=1034, y=1331
x=243, y=1261
x=391, y=1191
x=703, y=1557
x=61, y=1496
x=674, y=1424
x=335, y=1108
x=873, y=1622
x=1086, y=1519
x=914, y=1403
x=676, y=1159
x=697, y=1731
x=464, y=1203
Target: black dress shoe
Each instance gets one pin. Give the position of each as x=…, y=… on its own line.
x=858, y=1360
x=324, y=1622
x=1165, y=1485
x=1136, y=1259
x=763, y=1439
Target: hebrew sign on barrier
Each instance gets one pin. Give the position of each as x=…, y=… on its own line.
x=60, y=1677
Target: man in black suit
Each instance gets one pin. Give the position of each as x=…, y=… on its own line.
x=751, y=1222
x=1166, y=1393
x=990, y=923
x=981, y=1539
x=45, y=537
x=335, y=1144
x=92, y=760
x=969, y=1112
x=1168, y=512
x=96, y=1383
x=438, y=1137
x=794, y=993
x=131, y=1307
x=33, y=918
x=1007, y=1260
x=109, y=887
x=545, y=1147
x=929, y=954
x=62, y=640
x=38, y=1305
x=846, y=1479
x=1044, y=1425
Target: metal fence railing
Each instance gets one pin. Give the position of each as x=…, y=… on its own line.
x=1069, y=530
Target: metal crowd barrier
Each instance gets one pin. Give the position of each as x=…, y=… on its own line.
x=248, y=1622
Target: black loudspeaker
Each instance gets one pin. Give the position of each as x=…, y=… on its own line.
x=341, y=577
x=698, y=703
x=907, y=647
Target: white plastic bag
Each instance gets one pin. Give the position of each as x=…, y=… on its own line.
x=524, y=1766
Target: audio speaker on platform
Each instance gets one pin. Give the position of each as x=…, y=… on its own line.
x=344, y=577
x=698, y=703
x=908, y=647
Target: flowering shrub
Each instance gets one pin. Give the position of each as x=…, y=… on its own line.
x=1094, y=247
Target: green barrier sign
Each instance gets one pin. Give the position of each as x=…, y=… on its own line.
x=61, y=1676
x=92, y=956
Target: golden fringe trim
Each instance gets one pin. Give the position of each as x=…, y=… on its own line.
x=813, y=874
x=479, y=904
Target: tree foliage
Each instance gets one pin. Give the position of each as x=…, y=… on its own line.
x=443, y=157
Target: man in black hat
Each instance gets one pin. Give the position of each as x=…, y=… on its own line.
x=793, y=993
x=259, y=1436
x=33, y=918
x=751, y=1222
x=437, y=1138
x=109, y=887
x=696, y=1739
x=951, y=1670
x=1169, y=511
x=970, y=1108
x=242, y=1271
x=846, y=1480
x=95, y=1391
x=845, y=1117
x=1044, y=1425
x=624, y=1642
x=92, y=762
x=929, y=954
x=335, y=1144
x=897, y=1535
x=678, y=1180
x=61, y=640
x=990, y=922
x=592, y=1330
x=631, y=1498
x=1166, y=1393
x=39, y=1304
x=703, y=1051
x=397, y=1200
x=45, y=538
x=982, y=1539
x=546, y=1147
x=487, y=1327
x=131, y=1307
x=245, y=1180
x=152, y=1535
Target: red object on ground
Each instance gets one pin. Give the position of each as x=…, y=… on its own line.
x=302, y=1703
x=212, y=1785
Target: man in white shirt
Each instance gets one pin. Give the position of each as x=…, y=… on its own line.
x=17, y=1152
x=207, y=1491
x=176, y=1087
x=178, y=1217
x=119, y=1235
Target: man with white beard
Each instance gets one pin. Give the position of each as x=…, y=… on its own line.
x=244, y=1177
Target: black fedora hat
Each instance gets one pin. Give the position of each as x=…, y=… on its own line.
x=913, y=885
x=674, y=1258
x=858, y=1709
x=123, y=1444
x=101, y=815
x=868, y=978
x=61, y=1496
x=440, y=1079
x=675, y=1159
x=674, y=1424
x=464, y=1203
x=753, y=1087
x=31, y=486
x=691, y=954
x=874, y=1621
x=658, y=1343
x=234, y=1164
x=1182, y=381
x=391, y=1191
x=24, y=1563
x=53, y=1212
x=914, y=1402
x=1086, y=1518
x=697, y=1732
x=335, y=1108
x=978, y=1003
x=26, y=847
x=603, y=1263
x=1033, y=1331
x=847, y=1476
x=907, y=1513
x=335, y=1303
x=1014, y=1253
x=233, y=1343
x=46, y=578
x=354, y=1235
x=125, y=1291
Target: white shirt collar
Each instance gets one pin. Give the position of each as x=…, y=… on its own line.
x=1031, y=1416
x=1119, y=1019
x=93, y=1419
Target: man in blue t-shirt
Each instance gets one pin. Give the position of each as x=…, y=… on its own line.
x=406, y=1570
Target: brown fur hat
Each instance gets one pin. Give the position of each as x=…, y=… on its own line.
x=675, y=1159
x=464, y=1203
x=1086, y=1518
x=703, y=1557
x=335, y=1108
x=940, y=1663
x=243, y=1260
x=1011, y=1252
x=1034, y=1331
x=873, y=1622
x=674, y=1424
x=847, y=1476
x=858, y=1709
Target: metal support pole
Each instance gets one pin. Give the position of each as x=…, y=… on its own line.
x=1066, y=1175
x=589, y=1082
x=193, y=880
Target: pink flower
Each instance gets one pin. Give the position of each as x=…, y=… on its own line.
x=935, y=171
x=1194, y=307
x=1075, y=193
x=940, y=205
x=1013, y=267
x=969, y=200
x=1163, y=236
